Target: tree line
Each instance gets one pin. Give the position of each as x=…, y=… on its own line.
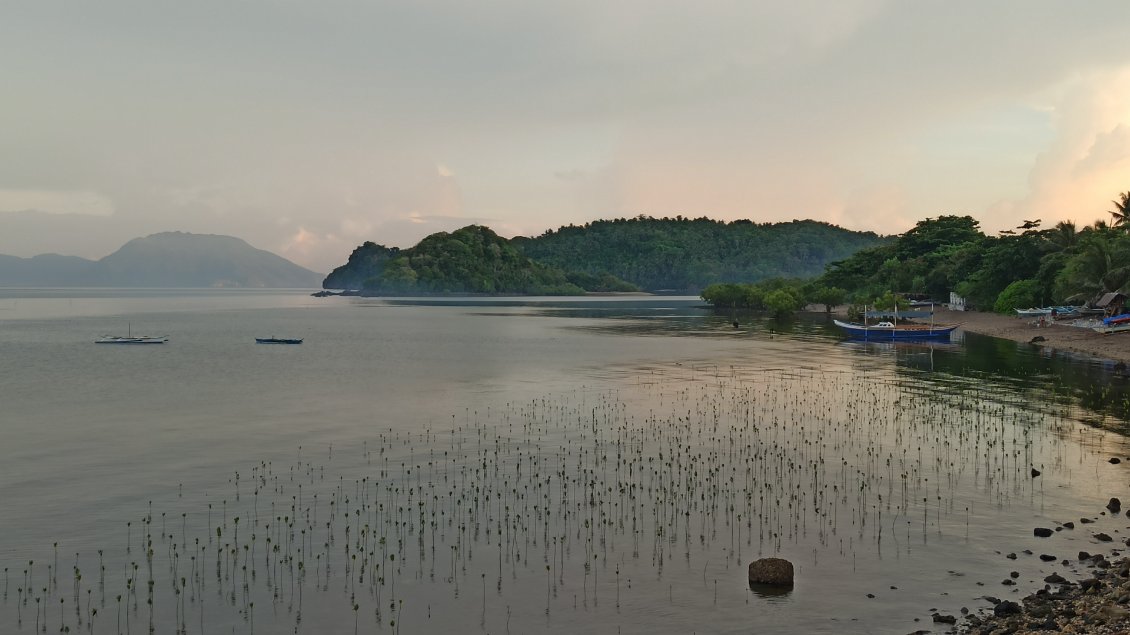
x=470, y=260
x=1024, y=267
x=685, y=255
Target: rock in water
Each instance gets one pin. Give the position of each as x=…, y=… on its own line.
x=1035, y=472
x=771, y=571
x=1042, y=532
x=1114, y=505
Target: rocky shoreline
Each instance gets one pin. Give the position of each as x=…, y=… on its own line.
x=1091, y=594
x=1095, y=601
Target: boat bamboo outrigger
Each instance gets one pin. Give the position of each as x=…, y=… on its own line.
x=887, y=331
x=130, y=338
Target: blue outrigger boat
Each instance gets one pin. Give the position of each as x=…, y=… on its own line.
x=887, y=331
x=892, y=330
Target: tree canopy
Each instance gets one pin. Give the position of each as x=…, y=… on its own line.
x=470, y=260
x=1019, y=268
x=683, y=254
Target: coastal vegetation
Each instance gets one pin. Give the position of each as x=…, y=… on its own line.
x=470, y=260
x=1022, y=267
x=687, y=255
x=654, y=254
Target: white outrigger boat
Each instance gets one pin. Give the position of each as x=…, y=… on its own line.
x=130, y=338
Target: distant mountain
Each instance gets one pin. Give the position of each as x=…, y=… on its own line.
x=683, y=254
x=169, y=259
x=44, y=270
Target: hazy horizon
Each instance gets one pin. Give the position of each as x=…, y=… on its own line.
x=308, y=129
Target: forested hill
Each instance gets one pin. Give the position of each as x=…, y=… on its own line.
x=470, y=260
x=687, y=255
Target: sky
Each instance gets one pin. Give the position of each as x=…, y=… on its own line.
x=307, y=128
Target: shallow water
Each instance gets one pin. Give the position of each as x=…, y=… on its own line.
x=643, y=450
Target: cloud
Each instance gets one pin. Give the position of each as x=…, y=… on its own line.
x=56, y=202
x=1087, y=163
x=382, y=120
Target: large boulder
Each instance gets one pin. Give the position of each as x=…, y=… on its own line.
x=771, y=571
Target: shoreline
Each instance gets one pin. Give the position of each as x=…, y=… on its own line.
x=1094, y=594
x=1091, y=598
x=1059, y=337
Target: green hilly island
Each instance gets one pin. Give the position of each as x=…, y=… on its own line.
x=652, y=254
x=470, y=260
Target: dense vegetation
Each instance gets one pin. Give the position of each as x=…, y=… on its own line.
x=681, y=254
x=470, y=260
x=1028, y=266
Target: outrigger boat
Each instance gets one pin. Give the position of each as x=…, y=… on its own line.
x=885, y=331
x=1114, y=324
x=277, y=340
x=130, y=338
x=888, y=331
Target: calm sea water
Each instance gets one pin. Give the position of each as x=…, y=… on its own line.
x=530, y=465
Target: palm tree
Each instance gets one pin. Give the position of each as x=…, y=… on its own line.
x=1102, y=265
x=1121, y=211
x=1063, y=235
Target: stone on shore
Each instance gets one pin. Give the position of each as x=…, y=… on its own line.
x=1007, y=607
x=1042, y=532
x=771, y=571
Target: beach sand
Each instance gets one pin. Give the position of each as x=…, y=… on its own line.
x=1057, y=335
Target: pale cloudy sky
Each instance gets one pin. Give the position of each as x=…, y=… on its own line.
x=307, y=127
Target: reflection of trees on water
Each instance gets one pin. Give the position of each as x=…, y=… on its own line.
x=1039, y=379
x=1045, y=379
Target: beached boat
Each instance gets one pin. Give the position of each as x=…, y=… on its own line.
x=1116, y=320
x=1112, y=328
x=277, y=340
x=131, y=339
x=1025, y=313
x=886, y=331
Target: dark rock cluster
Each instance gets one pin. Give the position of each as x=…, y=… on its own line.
x=1098, y=602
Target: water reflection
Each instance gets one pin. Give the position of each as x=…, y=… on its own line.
x=1097, y=389
x=771, y=592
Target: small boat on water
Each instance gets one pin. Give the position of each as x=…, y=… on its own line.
x=886, y=331
x=277, y=340
x=131, y=339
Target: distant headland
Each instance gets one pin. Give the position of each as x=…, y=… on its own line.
x=679, y=255
x=168, y=259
